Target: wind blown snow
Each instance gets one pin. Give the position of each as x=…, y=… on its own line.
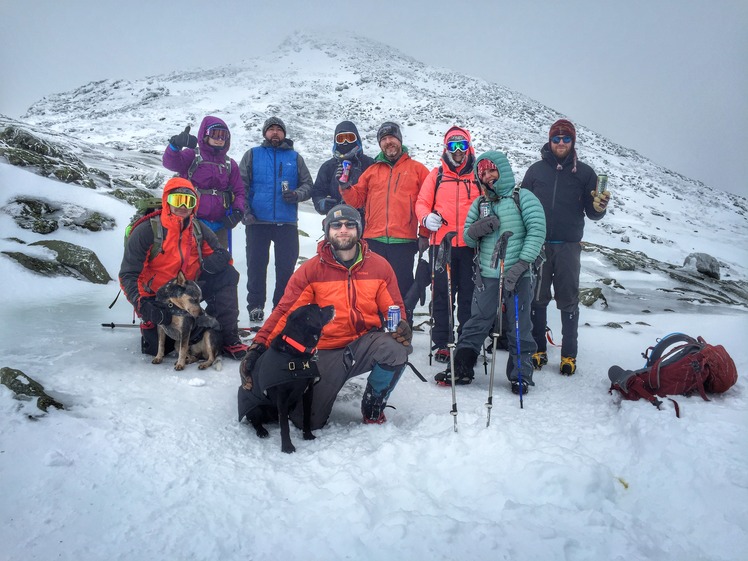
x=149, y=463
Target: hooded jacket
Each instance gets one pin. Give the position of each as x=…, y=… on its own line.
x=361, y=296
x=388, y=193
x=211, y=177
x=527, y=226
x=141, y=276
x=455, y=192
x=565, y=194
x=326, y=184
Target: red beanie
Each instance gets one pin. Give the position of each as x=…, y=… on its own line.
x=561, y=128
x=484, y=165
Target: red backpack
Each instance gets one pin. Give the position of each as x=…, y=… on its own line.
x=677, y=365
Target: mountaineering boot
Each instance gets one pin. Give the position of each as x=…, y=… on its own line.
x=465, y=359
x=256, y=314
x=539, y=360
x=379, y=386
x=568, y=365
x=516, y=384
x=237, y=351
x=442, y=355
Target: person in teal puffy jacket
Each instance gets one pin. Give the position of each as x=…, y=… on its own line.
x=525, y=219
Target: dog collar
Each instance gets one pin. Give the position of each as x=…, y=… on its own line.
x=298, y=346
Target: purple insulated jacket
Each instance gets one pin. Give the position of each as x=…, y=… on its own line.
x=210, y=175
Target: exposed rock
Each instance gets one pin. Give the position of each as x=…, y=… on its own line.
x=26, y=388
x=78, y=258
x=613, y=325
x=44, y=267
x=588, y=296
x=44, y=217
x=703, y=263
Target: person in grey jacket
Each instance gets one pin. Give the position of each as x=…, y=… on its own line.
x=525, y=219
x=276, y=180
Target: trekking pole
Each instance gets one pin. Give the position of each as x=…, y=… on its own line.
x=516, y=332
x=113, y=325
x=432, y=258
x=500, y=254
x=445, y=260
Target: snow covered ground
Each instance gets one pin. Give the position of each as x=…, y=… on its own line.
x=149, y=463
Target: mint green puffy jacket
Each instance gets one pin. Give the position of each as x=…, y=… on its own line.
x=528, y=227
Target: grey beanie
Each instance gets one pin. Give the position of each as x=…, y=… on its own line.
x=270, y=121
x=389, y=129
x=340, y=212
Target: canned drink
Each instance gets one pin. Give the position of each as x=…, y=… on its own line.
x=346, y=171
x=602, y=183
x=393, y=317
x=485, y=209
x=284, y=185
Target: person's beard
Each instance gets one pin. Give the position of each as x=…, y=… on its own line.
x=344, y=245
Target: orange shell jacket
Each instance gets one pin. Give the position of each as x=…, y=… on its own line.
x=388, y=194
x=360, y=295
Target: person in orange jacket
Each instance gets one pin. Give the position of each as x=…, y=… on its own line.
x=442, y=207
x=387, y=191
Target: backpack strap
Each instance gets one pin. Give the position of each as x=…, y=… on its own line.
x=158, y=236
x=195, y=162
x=656, y=352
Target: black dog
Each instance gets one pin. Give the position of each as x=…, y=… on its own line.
x=285, y=373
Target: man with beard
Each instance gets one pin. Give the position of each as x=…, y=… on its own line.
x=276, y=180
x=361, y=286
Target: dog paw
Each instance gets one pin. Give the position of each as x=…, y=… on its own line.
x=157, y=360
x=290, y=449
x=309, y=436
x=262, y=432
x=178, y=366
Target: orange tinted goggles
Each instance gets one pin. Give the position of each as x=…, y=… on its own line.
x=343, y=137
x=181, y=199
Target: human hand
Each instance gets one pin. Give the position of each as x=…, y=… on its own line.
x=513, y=275
x=483, y=227
x=326, y=204
x=184, y=139
x=153, y=313
x=433, y=221
x=403, y=334
x=290, y=196
x=248, y=363
x=230, y=221
x=249, y=218
x=600, y=200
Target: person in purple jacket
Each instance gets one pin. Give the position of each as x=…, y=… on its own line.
x=205, y=162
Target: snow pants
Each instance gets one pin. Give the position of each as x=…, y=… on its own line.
x=285, y=240
x=462, y=293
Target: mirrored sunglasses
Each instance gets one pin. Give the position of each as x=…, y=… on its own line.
x=455, y=145
x=558, y=139
x=181, y=199
x=343, y=137
x=218, y=133
x=338, y=224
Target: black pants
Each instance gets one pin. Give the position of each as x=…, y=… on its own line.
x=401, y=256
x=462, y=293
x=285, y=238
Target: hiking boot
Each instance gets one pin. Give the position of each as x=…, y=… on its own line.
x=516, y=385
x=442, y=355
x=256, y=314
x=465, y=359
x=568, y=365
x=539, y=360
x=237, y=351
x=378, y=421
x=445, y=379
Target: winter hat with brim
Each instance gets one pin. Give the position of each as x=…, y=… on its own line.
x=342, y=212
x=270, y=121
x=389, y=129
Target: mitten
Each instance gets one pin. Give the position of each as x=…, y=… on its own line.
x=151, y=312
x=600, y=202
x=432, y=221
x=483, y=227
x=184, y=139
x=514, y=274
x=403, y=334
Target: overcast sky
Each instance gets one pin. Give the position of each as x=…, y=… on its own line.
x=668, y=78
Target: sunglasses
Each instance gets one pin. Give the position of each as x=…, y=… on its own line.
x=218, y=133
x=343, y=137
x=337, y=225
x=181, y=199
x=557, y=139
x=455, y=145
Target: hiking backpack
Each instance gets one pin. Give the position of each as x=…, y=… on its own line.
x=677, y=365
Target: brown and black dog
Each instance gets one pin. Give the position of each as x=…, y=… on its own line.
x=284, y=374
x=195, y=333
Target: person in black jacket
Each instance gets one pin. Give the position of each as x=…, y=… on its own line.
x=346, y=147
x=566, y=189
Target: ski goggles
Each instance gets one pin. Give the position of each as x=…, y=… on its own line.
x=338, y=224
x=455, y=145
x=181, y=199
x=343, y=137
x=557, y=139
x=217, y=132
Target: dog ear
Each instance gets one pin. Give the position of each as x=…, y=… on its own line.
x=181, y=280
x=328, y=314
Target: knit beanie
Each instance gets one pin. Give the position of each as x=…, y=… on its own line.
x=485, y=165
x=389, y=129
x=270, y=121
x=342, y=212
x=563, y=127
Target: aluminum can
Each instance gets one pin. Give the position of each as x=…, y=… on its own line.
x=602, y=183
x=346, y=171
x=393, y=317
x=485, y=209
x=284, y=186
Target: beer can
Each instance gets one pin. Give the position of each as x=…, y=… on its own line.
x=393, y=317
x=602, y=183
x=485, y=209
x=284, y=186
x=346, y=171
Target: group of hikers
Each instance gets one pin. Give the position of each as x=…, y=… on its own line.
x=498, y=251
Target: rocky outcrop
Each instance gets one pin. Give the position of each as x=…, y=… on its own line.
x=69, y=260
x=25, y=388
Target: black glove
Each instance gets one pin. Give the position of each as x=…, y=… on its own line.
x=290, y=196
x=325, y=205
x=152, y=312
x=403, y=334
x=483, y=227
x=248, y=363
x=216, y=261
x=249, y=218
x=230, y=221
x=514, y=274
x=184, y=139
